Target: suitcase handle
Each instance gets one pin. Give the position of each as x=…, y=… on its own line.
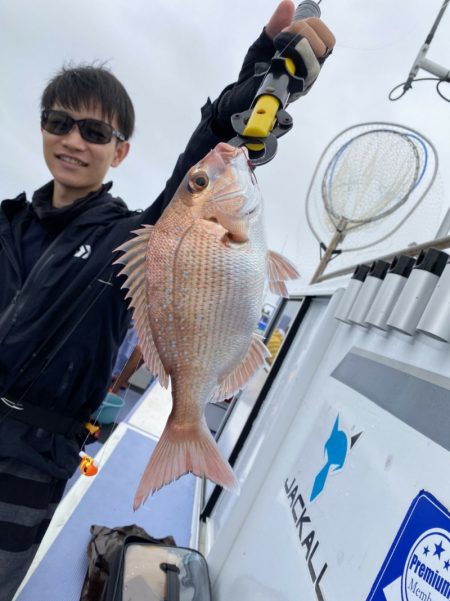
x=173, y=583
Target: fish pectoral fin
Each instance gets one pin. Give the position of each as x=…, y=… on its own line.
x=253, y=360
x=180, y=451
x=133, y=259
x=279, y=269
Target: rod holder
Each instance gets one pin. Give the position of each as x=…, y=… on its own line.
x=417, y=291
x=351, y=292
x=389, y=291
x=435, y=321
x=369, y=289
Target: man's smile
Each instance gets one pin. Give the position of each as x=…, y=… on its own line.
x=71, y=160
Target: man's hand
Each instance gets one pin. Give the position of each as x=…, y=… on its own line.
x=314, y=30
x=307, y=42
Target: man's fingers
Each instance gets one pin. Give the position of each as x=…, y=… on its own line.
x=306, y=31
x=313, y=29
x=316, y=32
x=322, y=31
x=281, y=18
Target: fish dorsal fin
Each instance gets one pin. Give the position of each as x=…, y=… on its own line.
x=279, y=269
x=134, y=269
x=253, y=360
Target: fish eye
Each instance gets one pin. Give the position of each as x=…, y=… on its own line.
x=198, y=182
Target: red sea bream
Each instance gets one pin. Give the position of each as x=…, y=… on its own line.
x=196, y=281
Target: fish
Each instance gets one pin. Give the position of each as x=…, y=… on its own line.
x=196, y=281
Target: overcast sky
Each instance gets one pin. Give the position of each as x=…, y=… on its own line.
x=172, y=55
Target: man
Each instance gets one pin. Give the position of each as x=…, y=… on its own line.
x=62, y=312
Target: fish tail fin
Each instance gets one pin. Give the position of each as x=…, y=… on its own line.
x=180, y=451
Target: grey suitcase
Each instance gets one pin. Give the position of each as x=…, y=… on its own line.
x=149, y=572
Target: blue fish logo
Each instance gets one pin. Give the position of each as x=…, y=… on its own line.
x=336, y=449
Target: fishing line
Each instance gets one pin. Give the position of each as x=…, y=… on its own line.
x=102, y=408
x=116, y=422
x=397, y=42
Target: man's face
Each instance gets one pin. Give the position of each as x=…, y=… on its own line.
x=79, y=167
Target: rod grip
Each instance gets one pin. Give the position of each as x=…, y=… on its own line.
x=306, y=9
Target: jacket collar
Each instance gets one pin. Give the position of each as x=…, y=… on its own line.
x=55, y=219
x=11, y=207
x=98, y=207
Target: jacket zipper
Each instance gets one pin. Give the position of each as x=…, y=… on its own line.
x=36, y=270
x=11, y=257
x=40, y=265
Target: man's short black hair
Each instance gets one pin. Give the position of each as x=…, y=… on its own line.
x=89, y=85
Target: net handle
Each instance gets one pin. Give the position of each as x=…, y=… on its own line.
x=334, y=243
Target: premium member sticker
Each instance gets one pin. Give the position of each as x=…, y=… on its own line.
x=427, y=566
x=417, y=567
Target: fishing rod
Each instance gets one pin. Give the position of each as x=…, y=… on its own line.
x=259, y=127
x=441, y=74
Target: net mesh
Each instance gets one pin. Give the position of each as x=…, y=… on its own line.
x=369, y=182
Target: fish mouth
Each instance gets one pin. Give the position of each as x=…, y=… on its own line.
x=246, y=199
x=228, y=195
x=241, y=212
x=235, y=199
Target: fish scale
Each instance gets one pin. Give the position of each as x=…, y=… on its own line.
x=220, y=327
x=205, y=266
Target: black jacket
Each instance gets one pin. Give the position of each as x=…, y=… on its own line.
x=63, y=313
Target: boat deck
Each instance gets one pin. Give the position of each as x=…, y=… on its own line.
x=60, y=565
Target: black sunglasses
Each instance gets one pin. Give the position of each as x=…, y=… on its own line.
x=91, y=130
